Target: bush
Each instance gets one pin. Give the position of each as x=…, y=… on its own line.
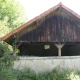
x=6, y=57
x=7, y=74
x=27, y=74
x=6, y=62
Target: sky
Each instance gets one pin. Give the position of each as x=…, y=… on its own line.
x=34, y=8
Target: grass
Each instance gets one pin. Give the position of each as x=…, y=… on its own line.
x=28, y=74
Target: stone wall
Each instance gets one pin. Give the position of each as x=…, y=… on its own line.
x=40, y=64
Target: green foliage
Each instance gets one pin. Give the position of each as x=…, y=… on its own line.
x=12, y=12
x=27, y=74
x=6, y=56
x=11, y=16
x=4, y=48
x=3, y=29
x=6, y=62
x=7, y=74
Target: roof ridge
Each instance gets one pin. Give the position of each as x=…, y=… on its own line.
x=60, y=3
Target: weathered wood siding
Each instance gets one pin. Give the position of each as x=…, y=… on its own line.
x=54, y=29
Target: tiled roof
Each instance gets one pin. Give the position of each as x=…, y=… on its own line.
x=37, y=18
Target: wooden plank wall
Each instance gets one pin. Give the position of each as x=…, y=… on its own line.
x=54, y=29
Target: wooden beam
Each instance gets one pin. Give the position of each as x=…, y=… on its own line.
x=18, y=44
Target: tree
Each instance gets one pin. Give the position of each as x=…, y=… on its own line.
x=3, y=29
x=11, y=15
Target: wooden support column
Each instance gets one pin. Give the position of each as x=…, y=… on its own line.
x=59, y=46
x=15, y=48
x=14, y=44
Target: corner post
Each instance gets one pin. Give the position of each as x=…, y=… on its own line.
x=14, y=44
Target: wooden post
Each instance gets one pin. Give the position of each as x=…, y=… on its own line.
x=59, y=51
x=59, y=46
x=16, y=47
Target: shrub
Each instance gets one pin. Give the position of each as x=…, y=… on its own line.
x=5, y=55
x=27, y=74
x=6, y=61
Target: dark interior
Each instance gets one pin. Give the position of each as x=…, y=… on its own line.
x=37, y=49
x=71, y=50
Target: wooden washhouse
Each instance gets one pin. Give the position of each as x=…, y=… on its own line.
x=56, y=32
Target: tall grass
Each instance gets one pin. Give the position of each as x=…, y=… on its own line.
x=28, y=74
